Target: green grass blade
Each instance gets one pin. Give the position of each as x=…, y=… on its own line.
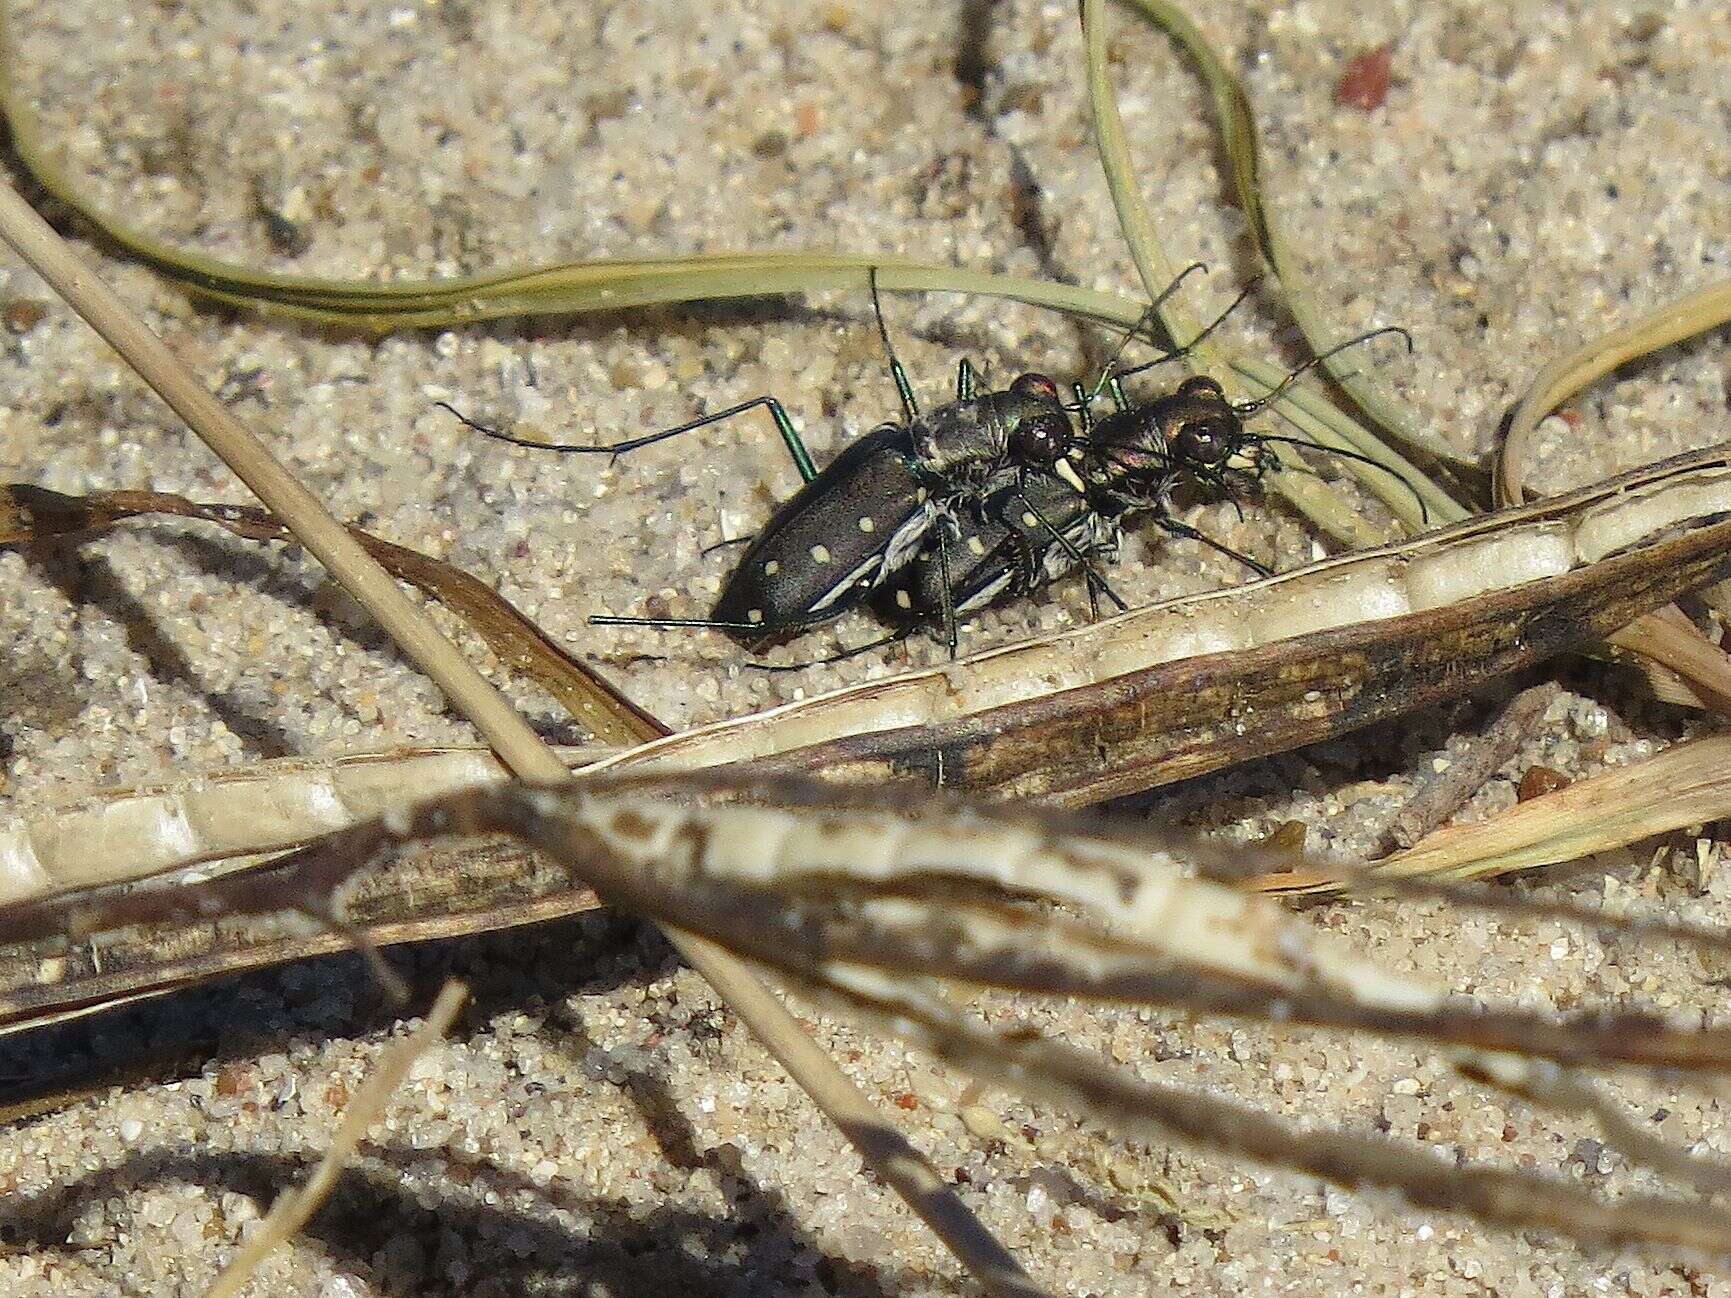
x=1152, y=264
x=603, y=285
x=1238, y=129
x=1327, y=508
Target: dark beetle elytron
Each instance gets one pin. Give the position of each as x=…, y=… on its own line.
x=1017, y=540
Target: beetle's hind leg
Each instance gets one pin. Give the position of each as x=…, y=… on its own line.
x=967, y=382
x=1172, y=527
x=1078, y=556
x=895, y=637
x=783, y=425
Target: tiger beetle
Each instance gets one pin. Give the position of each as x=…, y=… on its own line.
x=989, y=496
x=870, y=510
x=1025, y=536
x=1139, y=453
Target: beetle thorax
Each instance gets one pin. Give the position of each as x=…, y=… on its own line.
x=962, y=443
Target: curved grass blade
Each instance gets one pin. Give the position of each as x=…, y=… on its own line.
x=1152, y=265
x=1674, y=322
x=1323, y=505
x=603, y=285
x=1238, y=131
x=1667, y=637
x=618, y=285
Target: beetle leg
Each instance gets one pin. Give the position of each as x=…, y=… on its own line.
x=1069, y=547
x=1173, y=527
x=964, y=380
x=783, y=425
x=949, y=595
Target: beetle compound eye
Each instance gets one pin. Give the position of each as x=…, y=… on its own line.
x=1200, y=441
x=1035, y=385
x=1041, y=439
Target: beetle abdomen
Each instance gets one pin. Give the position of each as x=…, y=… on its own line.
x=831, y=543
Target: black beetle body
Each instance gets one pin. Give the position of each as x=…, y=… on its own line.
x=831, y=542
x=844, y=533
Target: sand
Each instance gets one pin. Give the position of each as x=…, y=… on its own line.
x=1540, y=172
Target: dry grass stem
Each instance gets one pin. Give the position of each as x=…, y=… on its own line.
x=870, y=904
x=365, y=1110
x=510, y=736
x=1438, y=800
x=33, y=515
x=1683, y=786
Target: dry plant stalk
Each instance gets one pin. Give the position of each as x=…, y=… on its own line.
x=1682, y=786
x=30, y=515
x=1193, y=685
x=114, y=835
x=1156, y=695
x=886, y=909
x=296, y=1208
x=1192, y=710
x=442, y=891
x=1441, y=797
x=879, y=1142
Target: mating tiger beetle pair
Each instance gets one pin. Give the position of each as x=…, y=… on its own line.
x=987, y=497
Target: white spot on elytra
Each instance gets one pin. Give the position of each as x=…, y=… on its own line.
x=772, y=567
x=1028, y=520
x=904, y=600
x=820, y=553
x=976, y=546
x=867, y=526
x=756, y=615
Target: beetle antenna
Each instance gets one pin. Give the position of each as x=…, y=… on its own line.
x=1142, y=322
x=1191, y=346
x=1424, y=513
x=1251, y=407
